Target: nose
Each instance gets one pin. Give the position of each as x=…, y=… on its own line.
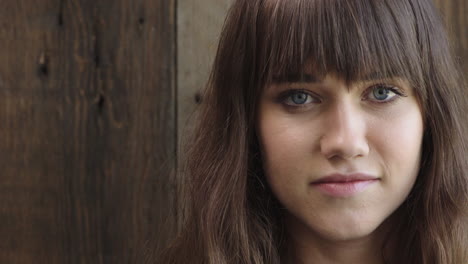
x=344, y=133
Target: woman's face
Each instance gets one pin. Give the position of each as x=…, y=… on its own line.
x=340, y=158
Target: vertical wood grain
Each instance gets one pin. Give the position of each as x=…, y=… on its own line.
x=88, y=130
x=199, y=25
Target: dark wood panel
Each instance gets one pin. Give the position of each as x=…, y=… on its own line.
x=87, y=112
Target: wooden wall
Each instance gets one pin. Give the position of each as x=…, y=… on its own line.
x=87, y=125
x=94, y=99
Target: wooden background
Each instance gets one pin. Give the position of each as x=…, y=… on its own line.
x=94, y=99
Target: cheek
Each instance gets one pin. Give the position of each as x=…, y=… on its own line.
x=283, y=140
x=397, y=146
x=287, y=152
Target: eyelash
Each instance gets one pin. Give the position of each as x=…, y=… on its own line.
x=287, y=94
x=398, y=92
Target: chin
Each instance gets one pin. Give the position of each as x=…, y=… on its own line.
x=342, y=228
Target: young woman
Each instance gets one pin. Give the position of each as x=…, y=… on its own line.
x=331, y=131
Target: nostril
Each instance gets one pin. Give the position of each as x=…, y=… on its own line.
x=344, y=146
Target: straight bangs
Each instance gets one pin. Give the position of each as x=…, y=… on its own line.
x=355, y=39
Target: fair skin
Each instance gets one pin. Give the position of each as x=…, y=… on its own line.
x=325, y=127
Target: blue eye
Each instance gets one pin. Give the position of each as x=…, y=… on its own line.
x=383, y=93
x=297, y=98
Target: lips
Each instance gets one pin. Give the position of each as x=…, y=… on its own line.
x=342, y=178
x=341, y=185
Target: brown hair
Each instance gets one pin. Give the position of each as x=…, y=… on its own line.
x=230, y=214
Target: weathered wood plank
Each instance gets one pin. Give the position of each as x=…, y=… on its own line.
x=88, y=111
x=199, y=24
